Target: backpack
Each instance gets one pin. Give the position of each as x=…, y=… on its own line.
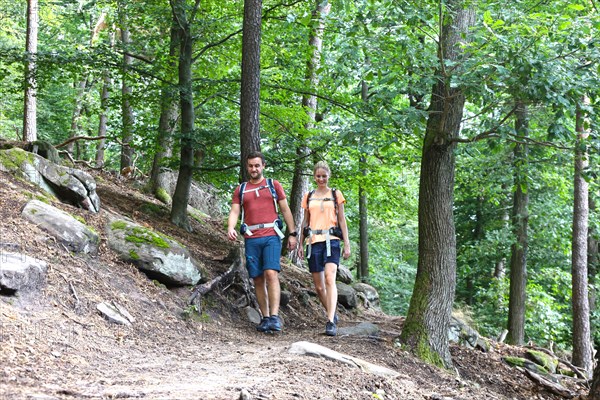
x=335, y=230
x=277, y=224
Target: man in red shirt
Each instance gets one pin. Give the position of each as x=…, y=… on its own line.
x=261, y=228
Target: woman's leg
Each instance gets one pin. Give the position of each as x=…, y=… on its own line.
x=330, y=290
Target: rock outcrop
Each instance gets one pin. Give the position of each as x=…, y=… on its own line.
x=159, y=256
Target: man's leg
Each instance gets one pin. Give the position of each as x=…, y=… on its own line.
x=273, y=291
x=261, y=295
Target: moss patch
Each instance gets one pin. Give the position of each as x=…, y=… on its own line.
x=118, y=225
x=140, y=235
x=163, y=196
x=152, y=209
x=133, y=255
x=12, y=159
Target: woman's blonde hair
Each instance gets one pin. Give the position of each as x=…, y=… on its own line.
x=322, y=165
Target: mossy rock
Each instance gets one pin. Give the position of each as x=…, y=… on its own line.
x=525, y=363
x=159, y=256
x=12, y=159
x=545, y=360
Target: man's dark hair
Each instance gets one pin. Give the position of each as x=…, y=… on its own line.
x=256, y=154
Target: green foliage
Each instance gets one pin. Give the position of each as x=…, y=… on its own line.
x=542, y=54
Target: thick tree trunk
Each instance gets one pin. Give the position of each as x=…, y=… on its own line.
x=167, y=122
x=30, y=104
x=179, y=215
x=582, y=345
x=250, y=95
x=520, y=222
x=425, y=331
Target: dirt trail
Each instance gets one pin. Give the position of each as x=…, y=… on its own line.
x=55, y=345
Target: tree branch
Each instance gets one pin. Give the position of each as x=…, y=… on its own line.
x=76, y=138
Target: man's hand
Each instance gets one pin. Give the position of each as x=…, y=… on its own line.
x=232, y=234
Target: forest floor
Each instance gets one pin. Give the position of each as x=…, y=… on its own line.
x=55, y=345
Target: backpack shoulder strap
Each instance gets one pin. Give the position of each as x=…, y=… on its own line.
x=241, y=194
x=242, y=189
x=335, y=203
x=271, y=186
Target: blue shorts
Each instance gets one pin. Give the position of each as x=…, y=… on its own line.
x=262, y=253
x=318, y=255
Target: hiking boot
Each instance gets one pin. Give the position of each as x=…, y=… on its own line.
x=335, y=318
x=330, y=328
x=275, y=323
x=264, y=325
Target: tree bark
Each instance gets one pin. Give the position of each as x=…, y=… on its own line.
x=582, y=345
x=103, y=120
x=250, y=88
x=126, y=92
x=300, y=182
x=30, y=103
x=593, y=265
x=595, y=388
x=363, y=227
x=425, y=331
x=104, y=94
x=168, y=119
x=181, y=197
x=76, y=115
x=520, y=222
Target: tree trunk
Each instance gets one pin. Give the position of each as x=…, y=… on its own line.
x=595, y=389
x=126, y=92
x=250, y=94
x=520, y=222
x=300, y=183
x=593, y=264
x=363, y=228
x=500, y=268
x=30, y=104
x=425, y=331
x=181, y=197
x=103, y=120
x=167, y=122
x=76, y=115
x=582, y=346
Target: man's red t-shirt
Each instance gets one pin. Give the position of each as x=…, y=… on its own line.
x=259, y=207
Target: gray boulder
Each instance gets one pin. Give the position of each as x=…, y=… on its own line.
x=369, y=293
x=203, y=197
x=159, y=256
x=344, y=275
x=362, y=329
x=75, y=235
x=460, y=332
x=19, y=272
x=69, y=185
x=346, y=295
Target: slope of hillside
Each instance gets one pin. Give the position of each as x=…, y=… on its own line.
x=55, y=344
